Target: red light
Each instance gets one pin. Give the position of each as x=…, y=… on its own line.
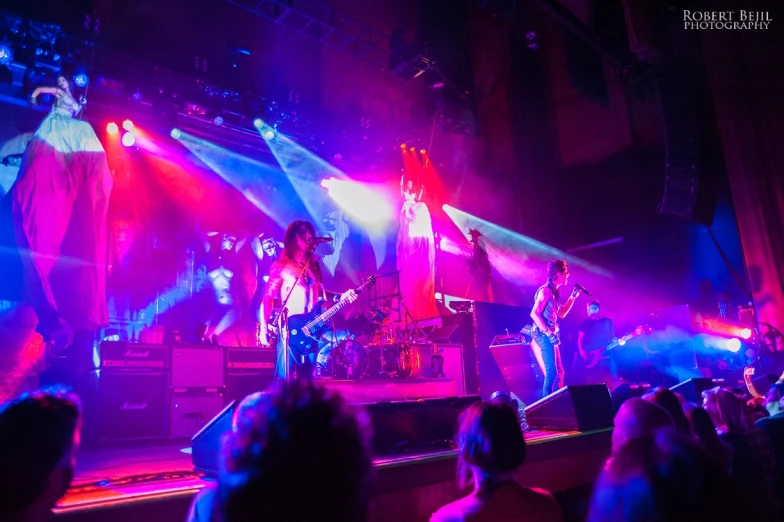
x=112, y=128
x=128, y=125
x=423, y=152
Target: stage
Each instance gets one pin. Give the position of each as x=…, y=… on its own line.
x=131, y=481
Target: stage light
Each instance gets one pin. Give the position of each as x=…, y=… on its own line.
x=412, y=149
x=423, y=152
x=218, y=121
x=128, y=125
x=326, y=183
x=733, y=345
x=137, y=95
x=269, y=135
x=175, y=133
x=258, y=123
x=112, y=128
x=81, y=80
x=128, y=139
x=403, y=146
x=6, y=54
x=746, y=333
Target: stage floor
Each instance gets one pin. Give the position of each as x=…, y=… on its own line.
x=112, y=477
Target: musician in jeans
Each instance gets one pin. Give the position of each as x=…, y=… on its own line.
x=596, y=333
x=296, y=276
x=545, y=314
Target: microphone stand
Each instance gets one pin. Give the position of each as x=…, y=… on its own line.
x=284, y=315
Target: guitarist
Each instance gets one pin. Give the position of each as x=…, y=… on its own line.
x=303, y=291
x=545, y=314
x=596, y=333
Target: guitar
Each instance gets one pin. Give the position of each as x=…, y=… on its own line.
x=305, y=329
x=593, y=358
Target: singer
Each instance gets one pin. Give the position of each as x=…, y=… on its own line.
x=545, y=314
x=295, y=279
x=60, y=202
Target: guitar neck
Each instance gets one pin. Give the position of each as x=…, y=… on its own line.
x=337, y=307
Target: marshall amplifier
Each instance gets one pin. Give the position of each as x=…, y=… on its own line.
x=122, y=355
x=248, y=370
x=132, y=405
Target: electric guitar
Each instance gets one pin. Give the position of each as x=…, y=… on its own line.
x=593, y=358
x=305, y=329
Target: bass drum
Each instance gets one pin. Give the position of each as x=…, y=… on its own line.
x=349, y=360
x=394, y=360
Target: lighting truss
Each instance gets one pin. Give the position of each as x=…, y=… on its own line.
x=325, y=25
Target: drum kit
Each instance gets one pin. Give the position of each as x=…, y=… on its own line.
x=368, y=348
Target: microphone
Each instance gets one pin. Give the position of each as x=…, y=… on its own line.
x=320, y=240
x=581, y=288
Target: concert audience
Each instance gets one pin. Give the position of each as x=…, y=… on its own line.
x=491, y=449
x=298, y=438
x=670, y=402
x=753, y=462
x=773, y=426
x=39, y=438
x=639, y=419
x=666, y=478
x=705, y=431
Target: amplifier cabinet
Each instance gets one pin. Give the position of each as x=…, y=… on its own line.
x=132, y=405
x=121, y=354
x=191, y=411
x=248, y=370
x=197, y=366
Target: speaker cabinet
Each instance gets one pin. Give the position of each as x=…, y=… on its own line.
x=132, y=405
x=205, y=444
x=191, y=411
x=197, y=366
x=574, y=408
x=692, y=389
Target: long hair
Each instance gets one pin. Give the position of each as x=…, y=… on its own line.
x=491, y=440
x=290, y=237
x=668, y=400
x=726, y=410
x=290, y=244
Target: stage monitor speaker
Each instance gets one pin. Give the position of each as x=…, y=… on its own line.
x=574, y=408
x=692, y=389
x=520, y=370
x=416, y=426
x=625, y=391
x=205, y=445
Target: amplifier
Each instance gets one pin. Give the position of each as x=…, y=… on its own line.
x=197, y=366
x=132, y=404
x=248, y=370
x=251, y=359
x=121, y=354
x=190, y=412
